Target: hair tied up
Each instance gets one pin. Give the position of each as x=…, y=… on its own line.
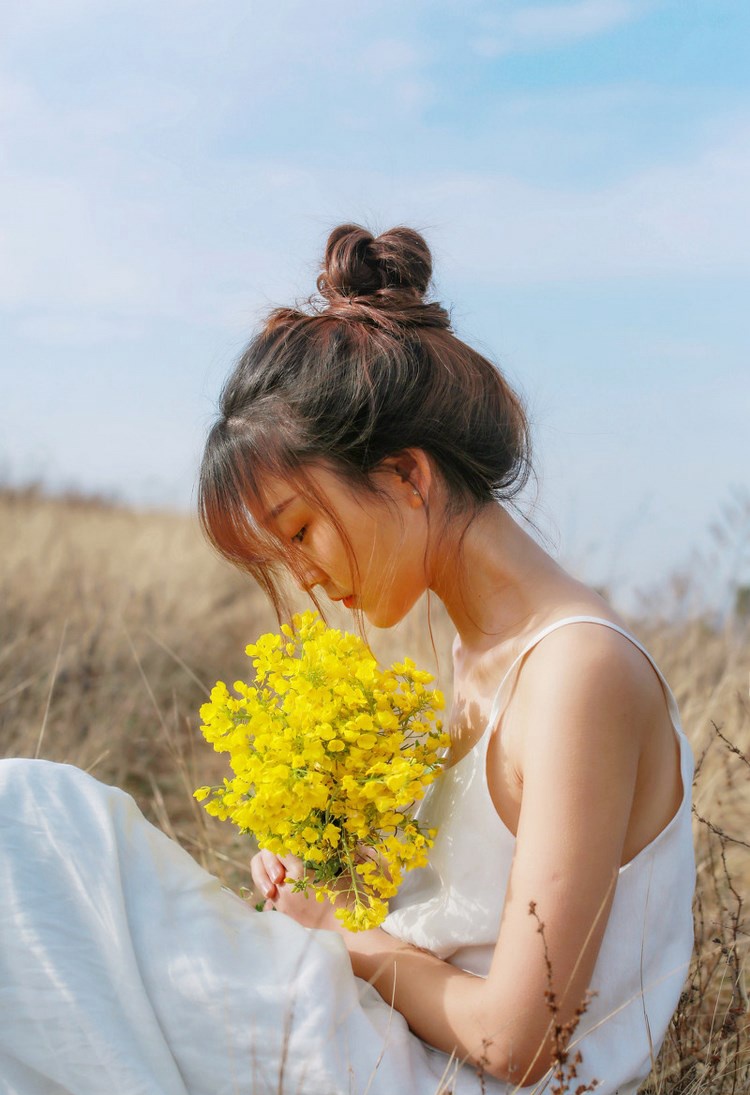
x=378, y=279
x=360, y=373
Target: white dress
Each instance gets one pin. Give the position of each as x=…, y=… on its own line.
x=126, y=969
x=453, y=907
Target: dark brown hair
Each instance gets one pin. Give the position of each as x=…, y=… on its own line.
x=364, y=371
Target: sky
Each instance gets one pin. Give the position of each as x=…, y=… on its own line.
x=169, y=171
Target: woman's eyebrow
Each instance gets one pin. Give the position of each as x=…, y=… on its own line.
x=281, y=507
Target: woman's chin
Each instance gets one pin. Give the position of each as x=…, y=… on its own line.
x=385, y=616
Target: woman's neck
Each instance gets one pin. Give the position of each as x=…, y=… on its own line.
x=498, y=582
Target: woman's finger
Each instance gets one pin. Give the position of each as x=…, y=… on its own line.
x=261, y=877
x=262, y=882
x=274, y=866
x=293, y=866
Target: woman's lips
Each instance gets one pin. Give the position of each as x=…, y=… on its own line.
x=347, y=601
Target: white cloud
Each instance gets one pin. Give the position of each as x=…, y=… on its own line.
x=154, y=245
x=548, y=26
x=582, y=18
x=29, y=16
x=683, y=218
x=104, y=225
x=677, y=349
x=76, y=328
x=389, y=55
x=170, y=170
x=397, y=68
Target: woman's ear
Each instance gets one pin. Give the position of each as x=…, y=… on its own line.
x=414, y=472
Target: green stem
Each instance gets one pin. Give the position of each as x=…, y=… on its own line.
x=353, y=877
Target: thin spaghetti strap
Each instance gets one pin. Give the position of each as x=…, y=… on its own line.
x=671, y=702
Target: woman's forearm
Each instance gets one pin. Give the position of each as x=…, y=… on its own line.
x=443, y=1005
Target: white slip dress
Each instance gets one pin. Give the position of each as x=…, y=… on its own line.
x=453, y=907
x=126, y=969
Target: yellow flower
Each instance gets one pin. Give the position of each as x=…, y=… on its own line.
x=329, y=754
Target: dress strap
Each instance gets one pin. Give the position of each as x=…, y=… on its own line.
x=671, y=702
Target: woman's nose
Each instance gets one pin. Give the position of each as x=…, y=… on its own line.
x=309, y=575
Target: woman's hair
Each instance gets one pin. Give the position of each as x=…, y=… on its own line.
x=364, y=371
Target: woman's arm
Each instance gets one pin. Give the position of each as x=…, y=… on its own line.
x=580, y=708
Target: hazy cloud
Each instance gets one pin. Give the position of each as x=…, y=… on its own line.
x=679, y=218
x=549, y=26
x=124, y=238
x=169, y=169
x=390, y=55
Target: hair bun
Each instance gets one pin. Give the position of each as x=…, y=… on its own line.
x=356, y=263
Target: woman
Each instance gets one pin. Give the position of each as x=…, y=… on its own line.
x=365, y=450
x=372, y=448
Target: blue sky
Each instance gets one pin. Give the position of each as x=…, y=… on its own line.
x=169, y=171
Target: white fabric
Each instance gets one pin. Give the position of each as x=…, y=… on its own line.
x=125, y=969
x=453, y=907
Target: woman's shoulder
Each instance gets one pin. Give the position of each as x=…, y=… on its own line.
x=583, y=644
x=589, y=690
x=573, y=627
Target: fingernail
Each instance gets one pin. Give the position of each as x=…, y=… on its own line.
x=278, y=875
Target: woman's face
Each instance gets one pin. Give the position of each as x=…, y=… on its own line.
x=384, y=573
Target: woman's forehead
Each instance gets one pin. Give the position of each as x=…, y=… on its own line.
x=278, y=492
x=276, y=504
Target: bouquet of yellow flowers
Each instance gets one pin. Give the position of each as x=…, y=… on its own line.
x=330, y=754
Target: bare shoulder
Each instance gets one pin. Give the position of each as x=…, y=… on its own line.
x=585, y=688
x=590, y=661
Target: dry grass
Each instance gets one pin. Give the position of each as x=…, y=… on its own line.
x=114, y=623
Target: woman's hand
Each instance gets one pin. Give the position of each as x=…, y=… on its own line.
x=268, y=873
x=274, y=876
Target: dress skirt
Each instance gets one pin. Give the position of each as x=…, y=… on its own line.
x=126, y=969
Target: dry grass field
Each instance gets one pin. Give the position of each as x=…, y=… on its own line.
x=114, y=624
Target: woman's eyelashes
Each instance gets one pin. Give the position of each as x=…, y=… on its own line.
x=299, y=536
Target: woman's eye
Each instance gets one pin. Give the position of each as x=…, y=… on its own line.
x=299, y=536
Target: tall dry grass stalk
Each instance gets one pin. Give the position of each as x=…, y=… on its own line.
x=115, y=623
